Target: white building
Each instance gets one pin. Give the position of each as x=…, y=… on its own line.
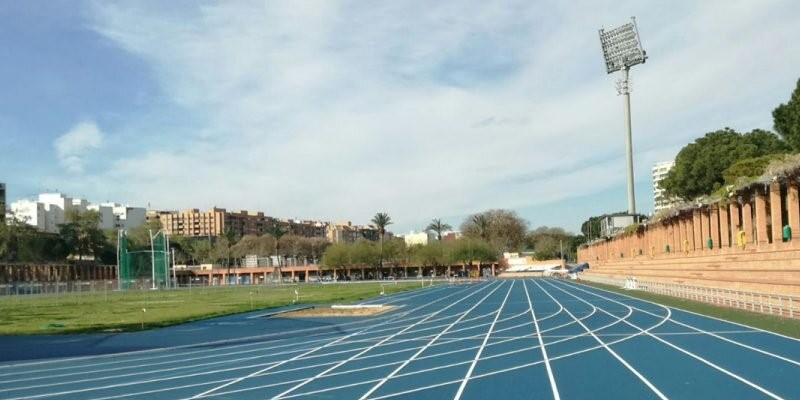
x=660, y=170
x=49, y=211
x=118, y=216
x=30, y=211
x=422, y=238
x=610, y=225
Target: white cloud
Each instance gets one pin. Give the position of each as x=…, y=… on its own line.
x=74, y=146
x=336, y=110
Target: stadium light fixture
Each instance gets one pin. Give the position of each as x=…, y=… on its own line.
x=622, y=49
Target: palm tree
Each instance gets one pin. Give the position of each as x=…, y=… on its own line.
x=482, y=223
x=380, y=221
x=230, y=237
x=437, y=226
x=278, y=231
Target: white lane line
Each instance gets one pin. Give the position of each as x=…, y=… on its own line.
x=609, y=349
x=193, y=367
x=298, y=368
x=688, y=353
x=412, y=358
x=426, y=370
x=483, y=345
x=31, y=374
x=265, y=364
x=706, y=316
x=237, y=380
x=550, y=376
x=217, y=371
x=231, y=342
x=340, y=363
x=715, y=335
x=130, y=383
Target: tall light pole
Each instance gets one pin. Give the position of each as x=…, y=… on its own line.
x=622, y=50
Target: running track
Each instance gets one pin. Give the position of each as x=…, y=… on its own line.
x=501, y=339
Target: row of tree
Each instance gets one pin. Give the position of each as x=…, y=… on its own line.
x=485, y=236
x=728, y=158
x=229, y=250
x=394, y=253
x=78, y=237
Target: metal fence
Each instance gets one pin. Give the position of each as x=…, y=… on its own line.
x=70, y=287
x=767, y=303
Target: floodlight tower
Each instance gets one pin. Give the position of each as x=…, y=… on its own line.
x=622, y=50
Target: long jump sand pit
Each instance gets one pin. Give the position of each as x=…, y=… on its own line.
x=349, y=310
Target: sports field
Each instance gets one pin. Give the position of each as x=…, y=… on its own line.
x=500, y=339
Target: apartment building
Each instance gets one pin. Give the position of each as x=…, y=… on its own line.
x=49, y=211
x=191, y=222
x=306, y=228
x=216, y=221
x=660, y=201
x=243, y=222
x=345, y=231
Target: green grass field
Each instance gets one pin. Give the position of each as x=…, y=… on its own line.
x=785, y=326
x=144, y=309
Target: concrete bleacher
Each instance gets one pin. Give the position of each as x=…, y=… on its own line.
x=776, y=271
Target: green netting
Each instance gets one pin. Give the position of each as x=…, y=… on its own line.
x=143, y=267
x=161, y=259
x=123, y=261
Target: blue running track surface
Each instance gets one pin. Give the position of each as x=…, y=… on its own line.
x=498, y=339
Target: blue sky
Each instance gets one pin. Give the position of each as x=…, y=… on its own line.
x=338, y=110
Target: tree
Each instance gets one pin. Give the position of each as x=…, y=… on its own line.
x=547, y=242
x=314, y=247
x=481, y=224
x=380, y=221
x=748, y=168
x=394, y=251
x=202, y=251
x=337, y=256
x=81, y=234
x=140, y=236
x=552, y=243
x=253, y=245
x=699, y=165
x=467, y=250
x=765, y=142
x=278, y=231
x=230, y=237
x=363, y=252
x=503, y=229
x=438, y=226
x=431, y=254
x=181, y=245
x=786, y=119
x=20, y=242
x=591, y=227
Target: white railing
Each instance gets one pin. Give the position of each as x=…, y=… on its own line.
x=767, y=303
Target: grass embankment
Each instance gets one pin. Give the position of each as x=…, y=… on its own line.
x=784, y=326
x=143, y=309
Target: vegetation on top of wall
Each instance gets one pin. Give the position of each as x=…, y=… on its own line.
x=727, y=158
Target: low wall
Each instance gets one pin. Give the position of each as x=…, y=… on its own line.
x=29, y=272
x=747, y=241
x=767, y=270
